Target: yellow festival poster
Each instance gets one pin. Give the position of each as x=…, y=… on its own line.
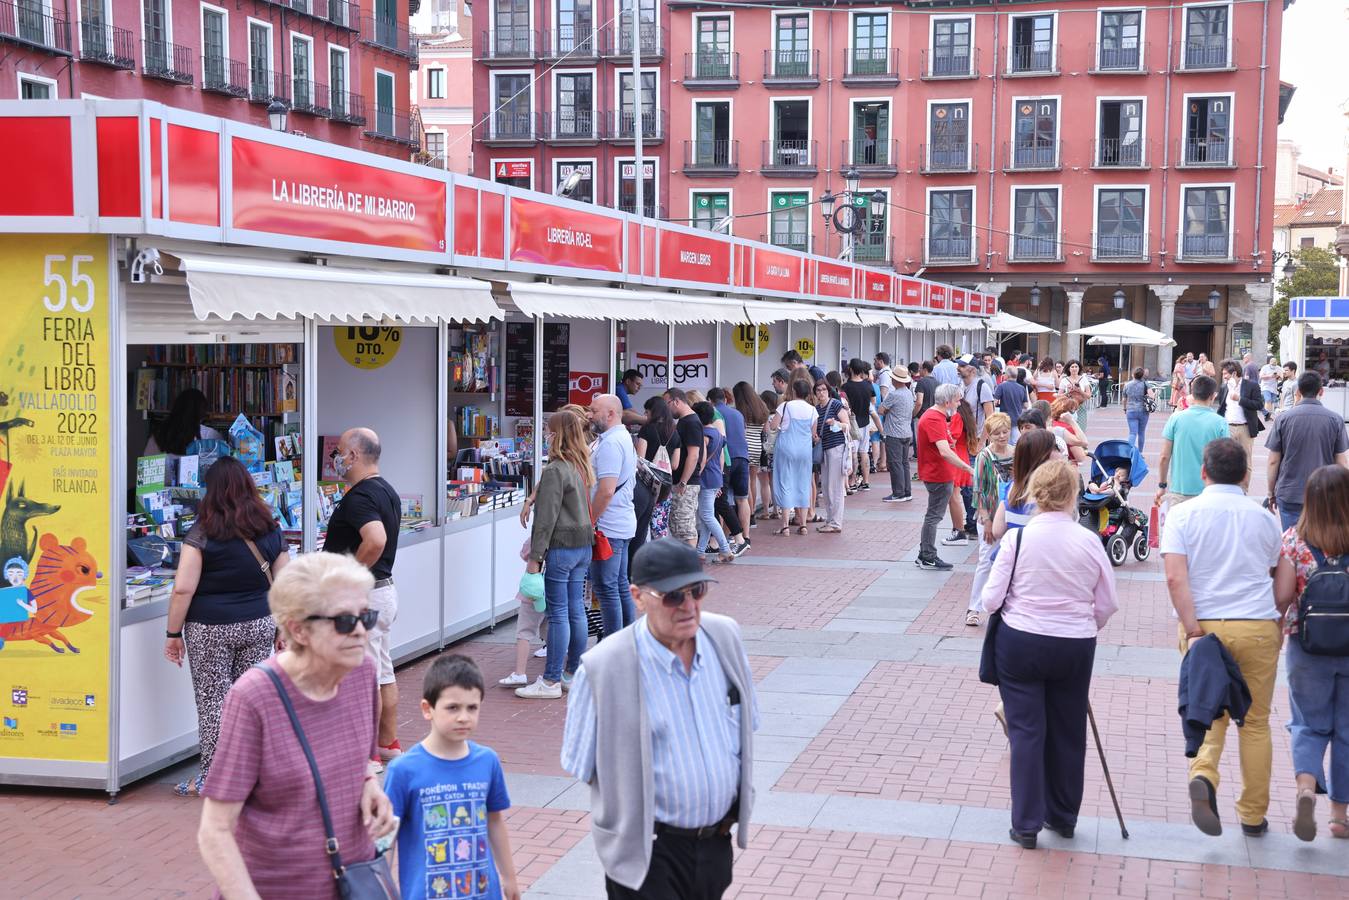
x=55, y=468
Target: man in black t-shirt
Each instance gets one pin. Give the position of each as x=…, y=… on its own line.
x=684, y=493
x=365, y=525
x=860, y=393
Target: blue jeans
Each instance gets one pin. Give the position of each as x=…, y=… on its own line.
x=1288, y=515
x=564, y=574
x=1138, y=427
x=609, y=577
x=707, y=521
x=1318, y=689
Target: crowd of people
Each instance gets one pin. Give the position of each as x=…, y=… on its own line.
x=295, y=691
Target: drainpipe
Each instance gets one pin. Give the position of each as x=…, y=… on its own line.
x=992, y=136
x=1256, y=251
x=1166, y=134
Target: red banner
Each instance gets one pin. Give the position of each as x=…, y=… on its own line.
x=283, y=191
x=833, y=280
x=990, y=304
x=877, y=286
x=520, y=168
x=957, y=299
x=40, y=163
x=910, y=292
x=937, y=296
x=775, y=271
x=558, y=236
x=692, y=257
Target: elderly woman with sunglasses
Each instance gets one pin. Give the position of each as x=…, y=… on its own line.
x=261, y=831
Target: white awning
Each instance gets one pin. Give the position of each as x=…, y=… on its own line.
x=768, y=313
x=876, y=317
x=227, y=287
x=576, y=302
x=683, y=310
x=916, y=323
x=1327, y=329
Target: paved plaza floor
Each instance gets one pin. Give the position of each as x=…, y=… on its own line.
x=879, y=771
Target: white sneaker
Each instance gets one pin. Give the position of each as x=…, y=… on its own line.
x=540, y=690
x=515, y=679
x=541, y=653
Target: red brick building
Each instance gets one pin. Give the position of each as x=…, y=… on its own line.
x=340, y=67
x=1104, y=153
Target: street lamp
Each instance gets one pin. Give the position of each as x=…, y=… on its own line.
x=1035, y=295
x=877, y=203
x=851, y=180
x=827, y=206
x=1214, y=298
x=1119, y=299
x=276, y=115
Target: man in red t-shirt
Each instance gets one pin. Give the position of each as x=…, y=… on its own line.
x=937, y=467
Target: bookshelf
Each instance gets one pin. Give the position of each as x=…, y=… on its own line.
x=473, y=362
x=258, y=380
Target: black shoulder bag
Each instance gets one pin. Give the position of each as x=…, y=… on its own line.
x=988, y=664
x=369, y=880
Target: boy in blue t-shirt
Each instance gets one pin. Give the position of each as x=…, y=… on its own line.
x=450, y=795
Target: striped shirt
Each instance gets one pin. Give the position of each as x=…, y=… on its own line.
x=695, y=732
x=754, y=440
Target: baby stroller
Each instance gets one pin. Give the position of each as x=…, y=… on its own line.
x=1119, y=525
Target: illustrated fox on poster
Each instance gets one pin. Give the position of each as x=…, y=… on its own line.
x=62, y=575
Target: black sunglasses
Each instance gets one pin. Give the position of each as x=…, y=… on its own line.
x=675, y=599
x=345, y=623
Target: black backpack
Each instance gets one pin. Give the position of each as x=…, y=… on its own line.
x=1323, y=608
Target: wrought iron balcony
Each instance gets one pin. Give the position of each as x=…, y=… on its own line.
x=264, y=86
x=392, y=36
x=107, y=45
x=871, y=65
x=1031, y=155
x=949, y=251
x=573, y=42
x=1035, y=248
x=311, y=97
x=707, y=69
x=618, y=40
x=401, y=128
x=791, y=68
x=1205, y=248
x=872, y=159
x=224, y=76
x=342, y=13
x=1118, y=60
x=789, y=238
x=29, y=23
x=573, y=126
x=168, y=62
x=505, y=127
x=1118, y=153
x=1034, y=59
x=791, y=158
x=873, y=249
x=1204, y=53
x=1207, y=153
x=1124, y=248
x=711, y=157
x=943, y=64
x=653, y=209
x=948, y=157
x=509, y=44
x=346, y=107
x=622, y=126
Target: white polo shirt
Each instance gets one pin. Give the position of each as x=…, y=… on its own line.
x=1235, y=414
x=1230, y=543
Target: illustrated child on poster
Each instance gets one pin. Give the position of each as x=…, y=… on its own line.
x=450, y=796
x=17, y=603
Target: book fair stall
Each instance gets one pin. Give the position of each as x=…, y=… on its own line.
x=272, y=291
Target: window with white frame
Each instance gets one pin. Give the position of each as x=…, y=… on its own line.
x=647, y=25
x=213, y=30
x=952, y=51
x=870, y=133
x=791, y=46
x=1208, y=131
x=948, y=137
x=575, y=28
x=1121, y=48
x=158, y=55
x=1120, y=217
x=871, y=243
x=790, y=142
x=712, y=57
x=1035, y=223
x=650, y=120
x=950, y=229
x=337, y=83
x=435, y=84
x=870, y=44
x=789, y=219
x=96, y=29
x=712, y=146
x=575, y=93
x=302, y=72
x=1119, y=139
x=710, y=208
x=584, y=170
x=1035, y=131
x=1032, y=44
x=512, y=115
x=433, y=145
x=627, y=186
x=35, y=87
x=511, y=36
x=1206, y=229
x=1206, y=37
x=259, y=61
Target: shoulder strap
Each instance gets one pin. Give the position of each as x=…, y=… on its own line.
x=1016, y=554
x=334, y=858
x=263, y=564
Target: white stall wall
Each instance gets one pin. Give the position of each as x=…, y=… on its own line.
x=397, y=400
x=737, y=364
x=694, y=349
x=588, y=350
x=827, y=346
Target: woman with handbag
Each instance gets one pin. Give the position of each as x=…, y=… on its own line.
x=293, y=773
x=1137, y=409
x=831, y=437
x=1318, y=682
x=770, y=510
x=1077, y=385
x=218, y=615
x=756, y=416
x=1052, y=588
x=560, y=547
x=794, y=425
x=658, y=446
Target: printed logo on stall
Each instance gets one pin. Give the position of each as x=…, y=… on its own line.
x=691, y=370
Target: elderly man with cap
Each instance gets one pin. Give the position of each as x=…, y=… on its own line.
x=896, y=412
x=662, y=805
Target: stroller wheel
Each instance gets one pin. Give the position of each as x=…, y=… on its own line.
x=1141, y=548
x=1117, y=550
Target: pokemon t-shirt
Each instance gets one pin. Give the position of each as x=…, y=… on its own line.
x=443, y=804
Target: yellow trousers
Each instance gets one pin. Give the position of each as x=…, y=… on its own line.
x=1255, y=645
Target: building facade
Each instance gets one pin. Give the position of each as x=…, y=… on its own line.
x=553, y=96
x=340, y=67
x=1074, y=147
x=441, y=90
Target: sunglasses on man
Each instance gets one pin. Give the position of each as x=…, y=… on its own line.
x=345, y=623
x=675, y=599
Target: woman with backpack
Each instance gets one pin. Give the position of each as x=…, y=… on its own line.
x=992, y=476
x=1309, y=583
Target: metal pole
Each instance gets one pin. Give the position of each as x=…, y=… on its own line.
x=637, y=123
x=716, y=358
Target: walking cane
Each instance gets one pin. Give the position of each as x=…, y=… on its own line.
x=1091, y=717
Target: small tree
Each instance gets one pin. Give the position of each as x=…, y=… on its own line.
x=1315, y=275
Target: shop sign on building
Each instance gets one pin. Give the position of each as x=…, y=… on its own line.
x=692, y=369
x=516, y=168
x=544, y=234
x=55, y=476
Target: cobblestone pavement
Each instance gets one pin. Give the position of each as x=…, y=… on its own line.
x=880, y=771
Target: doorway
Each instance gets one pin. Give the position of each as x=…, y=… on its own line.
x=1193, y=339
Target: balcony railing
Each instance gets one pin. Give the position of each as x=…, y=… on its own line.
x=390, y=125
x=574, y=42
x=390, y=35
x=346, y=107
x=29, y=23
x=264, y=86
x=652, y=40
x=653, y=210
x=714, y=157
x=509, y=43
x=791, y=67
x=948, y=157
x=1212, y=153
x=948, y=250
x=945, y=64
x=1036, y=248
x=1034, y=59
x=870, y=64
x=873, y=249
x=573, y=125
x=788, y=238
x=1117, y=153
x=310, y=97
x=622, y=126
x=1206, y=247
x=1119, y=248
x=169, y=62
x=224, y=76
x=868, y=157
x=712, y=68
x=1027, y=155
x=107, y=45
x=504, y=126
x=1204, y=53
x=1111, y=60
x=342, y=13
x=790, y=157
